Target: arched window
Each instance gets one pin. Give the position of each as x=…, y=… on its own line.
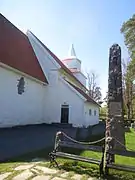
x=20, y=85
x=90, y=112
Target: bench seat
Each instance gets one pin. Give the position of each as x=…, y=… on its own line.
x=76, y=157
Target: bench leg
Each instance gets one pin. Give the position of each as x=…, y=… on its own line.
x=101, y=169
x=56, y=164
x=53, y=160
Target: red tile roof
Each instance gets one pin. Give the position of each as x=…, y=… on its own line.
x=74, y=70
x=69, y=59
x=16, y=50
x=60, y=63
x=88, y=98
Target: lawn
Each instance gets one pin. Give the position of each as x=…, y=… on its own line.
x=80, y=167
x=130, y=144
x=93, y=170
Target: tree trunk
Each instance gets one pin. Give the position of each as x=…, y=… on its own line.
x=131, y=95
x=128, y=110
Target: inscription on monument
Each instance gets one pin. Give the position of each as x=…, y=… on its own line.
x=115, y=108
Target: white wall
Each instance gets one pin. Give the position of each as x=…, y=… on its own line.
x=18, y=109
x=80, y=77
x=58, y=93
x=73, y=63
x=91, y=119
x=46, y=62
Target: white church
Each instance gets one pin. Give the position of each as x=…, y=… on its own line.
x=37, y=87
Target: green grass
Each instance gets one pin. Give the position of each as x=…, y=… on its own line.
x=130, y=138
x=8, y=167
x=130, y=145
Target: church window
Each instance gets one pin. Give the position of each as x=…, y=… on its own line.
x=90, y=112
x=95, y=112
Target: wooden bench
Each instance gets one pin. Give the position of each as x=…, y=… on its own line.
x=112, y=165
x=66, y=144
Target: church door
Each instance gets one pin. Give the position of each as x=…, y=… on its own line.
x=64, y=113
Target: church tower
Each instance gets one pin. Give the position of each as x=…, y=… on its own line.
x=74, y=64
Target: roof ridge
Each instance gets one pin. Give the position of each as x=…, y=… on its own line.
x=84, y=94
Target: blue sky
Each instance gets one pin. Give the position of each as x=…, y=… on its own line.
x=91, y=25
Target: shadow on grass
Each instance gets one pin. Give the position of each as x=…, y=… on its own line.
x=93, y=171
x=42, y=154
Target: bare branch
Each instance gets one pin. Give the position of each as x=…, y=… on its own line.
x=94, y=89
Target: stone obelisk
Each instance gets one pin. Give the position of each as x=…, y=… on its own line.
x=115, y=134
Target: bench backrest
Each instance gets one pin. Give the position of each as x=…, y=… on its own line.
x=80, y=146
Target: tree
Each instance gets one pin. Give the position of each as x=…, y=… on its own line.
x=103, y=110
x=128, y=30
x=106, y=98
x=94, y=89
x=127, y=89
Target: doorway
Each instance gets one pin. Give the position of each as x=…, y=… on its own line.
x=65, y=114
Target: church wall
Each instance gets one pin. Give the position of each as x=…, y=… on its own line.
x=60, y=93
x=91, y=118
x=57, y=92
x=20, y=109
x=80, y=77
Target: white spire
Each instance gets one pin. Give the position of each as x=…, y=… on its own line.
x=72, y=51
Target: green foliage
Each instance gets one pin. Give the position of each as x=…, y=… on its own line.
x=103, y=113
x=103, y=110
x=128, y=29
